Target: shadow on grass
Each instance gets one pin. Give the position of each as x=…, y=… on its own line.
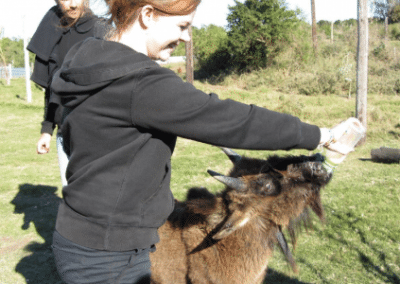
x=275, y=277
x=378, y=269
x=39, y=204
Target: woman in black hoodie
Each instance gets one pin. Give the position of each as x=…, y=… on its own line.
x=65, y=24
x=125, y=113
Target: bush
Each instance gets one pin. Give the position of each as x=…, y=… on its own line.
x=331, y=49
x=394, y=14
x=395, y=32
x=397, y=86
x=326, y=27
x=346, y=24
x=211, y=49
x=13, y=50
x=257, y=30
x=380, y=52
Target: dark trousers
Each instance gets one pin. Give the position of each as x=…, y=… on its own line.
x=77, y=264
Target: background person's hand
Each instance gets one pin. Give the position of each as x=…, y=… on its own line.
x=43, y=145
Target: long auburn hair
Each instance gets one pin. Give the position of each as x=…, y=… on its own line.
x=123, y=12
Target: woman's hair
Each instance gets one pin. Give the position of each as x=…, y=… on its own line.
x=123, y=12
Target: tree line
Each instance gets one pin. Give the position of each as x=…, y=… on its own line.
x=12, y=52
x=257, y=31
x=386, y=9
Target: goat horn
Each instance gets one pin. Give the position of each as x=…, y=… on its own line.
x=233, y=156
x=234, y=183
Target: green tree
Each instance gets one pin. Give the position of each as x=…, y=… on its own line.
x=13, y=51
x=210, y=43
x=257, y=29
x=394, y=14
x=386, y=8
x=209, y=48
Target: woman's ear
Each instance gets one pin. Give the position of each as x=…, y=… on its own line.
x=147, y=16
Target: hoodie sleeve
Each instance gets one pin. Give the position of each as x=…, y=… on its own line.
x=161, y=100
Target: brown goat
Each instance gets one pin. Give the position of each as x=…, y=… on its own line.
x=229, y=237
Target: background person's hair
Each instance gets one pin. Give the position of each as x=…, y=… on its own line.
x=67, y=22
x=123, y=12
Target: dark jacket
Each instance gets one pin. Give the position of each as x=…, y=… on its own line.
x=127, y=112
x=51, y=43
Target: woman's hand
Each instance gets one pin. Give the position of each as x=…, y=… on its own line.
x=43, y=145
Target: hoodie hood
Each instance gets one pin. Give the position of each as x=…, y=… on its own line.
x=50, y=30
x=93, y=64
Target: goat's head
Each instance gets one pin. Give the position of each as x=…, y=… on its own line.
x=274, y=193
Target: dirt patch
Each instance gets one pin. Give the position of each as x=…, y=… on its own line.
x=10, y=244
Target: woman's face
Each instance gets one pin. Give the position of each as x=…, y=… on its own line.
x=71, y=8
x=166, y=32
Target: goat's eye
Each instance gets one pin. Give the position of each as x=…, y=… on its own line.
x=269, y=188
x=264, y=186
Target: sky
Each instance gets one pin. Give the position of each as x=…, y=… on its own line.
x=14, y=13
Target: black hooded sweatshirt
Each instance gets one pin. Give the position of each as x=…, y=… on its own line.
x=126, y=114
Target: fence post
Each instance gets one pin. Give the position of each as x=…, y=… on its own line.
x=27, y=70
x=362, y=65
x=314, y=27
x=386, y=30
x=8, y=74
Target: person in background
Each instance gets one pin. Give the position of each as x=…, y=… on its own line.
x=65, y=24
x=125, y=114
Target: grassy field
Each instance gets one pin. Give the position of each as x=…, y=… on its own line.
x=359, y=242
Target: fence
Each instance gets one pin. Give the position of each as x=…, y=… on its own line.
x=15, y=72
x=20, y=72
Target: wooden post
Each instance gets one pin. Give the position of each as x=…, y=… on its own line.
x=386, y=30
x=332, y=32
x=362, y=65
x=189, y=58
x=314, y=27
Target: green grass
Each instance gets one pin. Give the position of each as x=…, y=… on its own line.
x=358, y=243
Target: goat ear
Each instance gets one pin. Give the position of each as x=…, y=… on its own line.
x=201, y=201
x=236, y=221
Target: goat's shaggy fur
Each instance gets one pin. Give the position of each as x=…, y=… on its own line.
x=229, y=237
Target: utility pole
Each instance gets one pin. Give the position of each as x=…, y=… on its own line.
x=27, y=69
x=362, y=65
x=314, y=27
x=189, y=58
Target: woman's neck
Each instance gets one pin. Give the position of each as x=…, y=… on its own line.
x=135, y=38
